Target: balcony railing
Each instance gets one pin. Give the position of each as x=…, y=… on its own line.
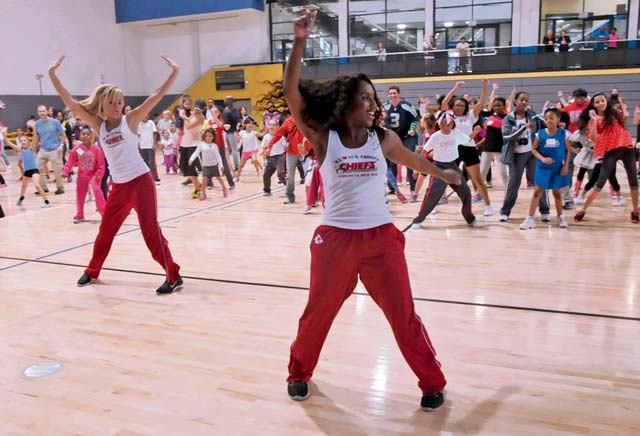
x=591, y=55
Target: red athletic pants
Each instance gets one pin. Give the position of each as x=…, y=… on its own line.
x=338, y=257
x=138, y=194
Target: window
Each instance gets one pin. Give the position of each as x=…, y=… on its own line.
x=397, y=24
x=323, y=43
x=484, y=23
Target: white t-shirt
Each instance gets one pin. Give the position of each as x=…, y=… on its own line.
x=145, y=134
x=464, y=123
x=522, y=148
x=248, y=141
x=278, y=148
x=445, y=147
x=164, y=125
x=168, y=146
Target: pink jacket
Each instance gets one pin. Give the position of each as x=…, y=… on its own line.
x=90, y=161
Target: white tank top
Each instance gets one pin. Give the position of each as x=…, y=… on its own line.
x=120, y=148
x=353, y=181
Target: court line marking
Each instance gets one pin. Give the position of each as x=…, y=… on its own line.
x=302, y=288
x=230, y=203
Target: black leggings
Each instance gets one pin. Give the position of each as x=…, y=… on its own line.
x=581, y=174
x=613, y=180
x=628, y=157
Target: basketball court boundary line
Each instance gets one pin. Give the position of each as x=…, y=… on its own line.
x=302, y=288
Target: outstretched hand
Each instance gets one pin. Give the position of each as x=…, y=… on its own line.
x=170, y=62
x=303, y=26
x=54, y=66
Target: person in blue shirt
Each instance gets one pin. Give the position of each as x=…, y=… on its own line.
x=47, y=144
x=31, y=172
x=551, y=148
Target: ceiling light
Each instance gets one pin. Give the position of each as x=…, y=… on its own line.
x=560, y=21
x=400, y=32
x=448, y=24
x=401, y=26
x=374, y=29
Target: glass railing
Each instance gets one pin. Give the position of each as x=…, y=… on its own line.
x=480, y=61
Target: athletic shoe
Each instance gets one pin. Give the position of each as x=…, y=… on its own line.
x=475, y=223
x=562, y=222
x=85, y=280
x=488, y=211
x=187, y=182
x=298, y=390
x=618, y=201
x=168, y=288
x=302, y=181
x=568, y=205
x=635, y=218
x=545, y=217
x=477, y=198
x=195, y=195
x=232, y=187
x=414, y=197
x=157, y=182
x=580, y=199
x=416, y=226
x=266, y=194
x=528, y=223
x=401, y=197
x=46, y=205
x=432, y=401
x=488, y=185
x=58, y=191
x=19, y=202
x=78, y=220
x=289, y=201
x=203, y=195
x=225, y=192
x=579, y=216
x=307, y=209
x=209, y=185
x=443, y=200
x=504, y=218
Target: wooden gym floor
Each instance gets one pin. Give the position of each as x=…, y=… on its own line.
x=537, y=331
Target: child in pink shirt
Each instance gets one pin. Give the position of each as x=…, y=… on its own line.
x=91, y=167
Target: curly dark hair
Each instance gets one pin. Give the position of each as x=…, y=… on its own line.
x=327, y=102
x=274, y=99
x=610, y=114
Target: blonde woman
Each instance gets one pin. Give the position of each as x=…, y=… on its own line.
x=133, y=186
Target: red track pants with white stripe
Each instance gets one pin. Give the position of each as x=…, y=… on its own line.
x=138, y=194
x=338, y=257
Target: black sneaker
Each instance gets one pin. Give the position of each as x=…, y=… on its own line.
x=187, y=182
x=85, y=280
x=432, y=401
x=168, y=288
x=59, y=191
x=298, y=390
x=568, y=205
x=635, y=218
x=579, y=216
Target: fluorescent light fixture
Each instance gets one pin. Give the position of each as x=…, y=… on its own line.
x=401, y=26
x=467, y=22
x=400, y=32
x=560, y=21
x=374, y=29
x=448, y=24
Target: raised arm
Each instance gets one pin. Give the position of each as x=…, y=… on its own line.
x=512, y=96
x=68, y=99
x=445, y=103
x=483, y=97
x=136, y=115
x=303, y=27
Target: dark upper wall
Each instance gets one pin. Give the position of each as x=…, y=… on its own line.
x=140, y=10
x=20, y=107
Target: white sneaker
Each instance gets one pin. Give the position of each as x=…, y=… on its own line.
x=434, y=211
x=545, y=217
x=504, y=218
x=488, y=211
x=618, y=201
x=580, y=199
x=416, y=226
x=46, y=205
x=306, y=210
x=562, y=222
x=528, y=223
x=476, y=224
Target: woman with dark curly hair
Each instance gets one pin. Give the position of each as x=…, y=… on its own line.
x=357, y=237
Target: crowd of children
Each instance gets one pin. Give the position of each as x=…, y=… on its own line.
x=459, y=132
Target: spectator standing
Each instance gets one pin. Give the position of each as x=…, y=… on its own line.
x=613, y=38
x=463, y=55
x=548, y=42
x=564, y=41
x=146, y=143
x=381, y=53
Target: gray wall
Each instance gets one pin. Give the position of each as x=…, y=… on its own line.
x=539, y=89
x=20, y=107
